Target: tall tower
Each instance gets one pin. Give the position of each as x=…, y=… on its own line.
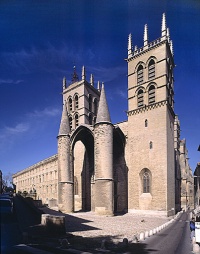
x=81, y=98
x=151, y=124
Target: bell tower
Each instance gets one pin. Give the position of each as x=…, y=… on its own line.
x=81, y=99
x=151, y=123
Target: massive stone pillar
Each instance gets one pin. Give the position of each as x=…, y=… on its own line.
x=103, y=151
x=65, y=172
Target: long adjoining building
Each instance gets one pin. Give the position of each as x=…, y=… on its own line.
x=139, y=165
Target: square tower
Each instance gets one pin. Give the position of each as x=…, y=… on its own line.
x=151, y=124
x=81, y=98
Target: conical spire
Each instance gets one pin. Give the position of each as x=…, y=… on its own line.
x=129, y=46
x=145, y=35
x=92, y=80
x=163, y=29
x=83, y=73
x=103, y=114
x=64, y=124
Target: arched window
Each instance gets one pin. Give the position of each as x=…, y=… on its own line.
x=151, y=69
x=70, y=103
x=76, y=101
x=70, y=122
x=151, y=94
x=140, y=98
x=95, y=106
x=90, y=119
x=146, y=123
x=76, y=120
x=90, y=102
x=140, y=74
x=150, y=144
x=146, y=181
x=75, y=186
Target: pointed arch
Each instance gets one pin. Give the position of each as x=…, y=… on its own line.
x=70, y=104
x=140, y=98
x=82, y=145
x=151, y=65
x=146, y=180
x=76, y=101
x=151, y=69
x=76, y=118
x=151, y=94
x=140, y=74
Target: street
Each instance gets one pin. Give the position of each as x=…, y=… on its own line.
x=173, y=239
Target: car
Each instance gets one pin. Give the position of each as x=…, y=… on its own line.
x=6, y=207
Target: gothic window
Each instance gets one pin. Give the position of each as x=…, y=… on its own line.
x=140, y=98
x=70, y=122
x=95, y=106
x=151, y=94
x=76, y=120
x=151, y=69
x=75, y=186
x=90, y=119
x=140, y=74
x=146, y=123
x=90, y=102
x=70, y=103
x=76, y=101
x=150, y=144
x=146, y=181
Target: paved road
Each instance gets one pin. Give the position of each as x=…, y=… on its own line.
x=173, y=239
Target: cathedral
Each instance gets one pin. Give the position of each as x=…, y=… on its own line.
x=131, y=166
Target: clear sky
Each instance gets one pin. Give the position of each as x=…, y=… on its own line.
x=41, y=41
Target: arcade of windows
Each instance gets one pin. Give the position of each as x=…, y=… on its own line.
x=73, y=106
x=140, y=79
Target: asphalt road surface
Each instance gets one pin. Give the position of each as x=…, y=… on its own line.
x=175, y=239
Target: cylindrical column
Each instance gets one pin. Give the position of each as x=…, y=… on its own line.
x=103, y=145
x=65, y=178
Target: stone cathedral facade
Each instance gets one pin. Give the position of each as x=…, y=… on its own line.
x=132, y=166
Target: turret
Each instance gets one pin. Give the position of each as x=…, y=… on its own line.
x=103, y=133
x=164, y=28
x=65, y=179
x=64, y=83
x=92, y=80
x=129, y=46
x=83, y=73
x=145, y=35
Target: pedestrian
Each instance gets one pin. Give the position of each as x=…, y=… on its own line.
x=192, y=228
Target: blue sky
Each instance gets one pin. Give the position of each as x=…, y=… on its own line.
x=40, y=43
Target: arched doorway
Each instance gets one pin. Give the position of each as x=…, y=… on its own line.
x=83, y=168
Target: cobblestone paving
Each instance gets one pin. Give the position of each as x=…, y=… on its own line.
x=119, y=227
